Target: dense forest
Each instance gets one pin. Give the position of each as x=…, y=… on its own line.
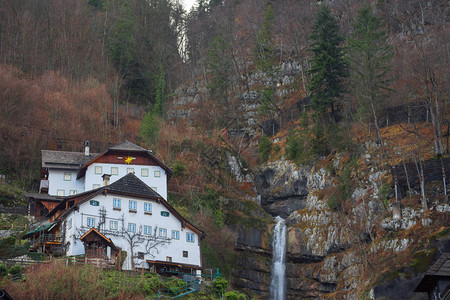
x=197, y=87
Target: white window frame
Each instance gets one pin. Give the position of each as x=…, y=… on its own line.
x=113, y=225
x=116, y=203
x=89, y=221
x=175, y=234
x=60, y=192
x=147, y=230
x=73, y=192
x=67, y=176
x=130, y=170
x=132, y=205
x=157, y=174
x=95, y=186
x=131, y=227
x=98, y=169
x=147, y=207
x=116, y=171
x=190, y=240
x=144, y=172
x=163, y=232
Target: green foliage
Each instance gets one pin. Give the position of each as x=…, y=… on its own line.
x=267, y=100
x=328, y=67
x=218, y=217
x=150, y=126
x=346, y=185
x=218, y=62
x=37, y=256
x=3, y=270
x=11, y=196
x=319, y=140
x=333, y=202
x=265, y=146
x=14, y=270
x=263, y=49
x=385, y=191
x=296, y=149
x=179, y=169
x=235, y=295
x=159, y=108
x=370, y=56
x=220, y=284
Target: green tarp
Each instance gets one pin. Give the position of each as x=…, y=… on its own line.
x=41, y=228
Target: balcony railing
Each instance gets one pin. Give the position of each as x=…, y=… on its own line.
x=46, y=238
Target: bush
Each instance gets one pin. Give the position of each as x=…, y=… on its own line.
x=14, y=270
x=3, y=270
x=220, y=284
x=234, y=295
x=265, y=145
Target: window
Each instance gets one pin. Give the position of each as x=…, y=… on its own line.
x=98, y=169
x=131, y=227
x=175, y=234
x=140, y=255
x=116, y=203
x=189, y=237
x=72, y=192
x=185, y=254
x=69, y=223
x=162, y=232
x=154, y=188
x=130, y=170
x=148, y=230
x=67, y=176
x=144, y=172
x=165, y=213
x=91, y=222
x=147, y=207
x=168, y=259
x=157, y=174
x=132, y=205
x=95, y=186
x=60, y=192
x=113, y=225
x=94, y=203
x=114, y=171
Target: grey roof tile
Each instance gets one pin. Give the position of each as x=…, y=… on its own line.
x=64, y=159
x=130, y=184
x=127, y=146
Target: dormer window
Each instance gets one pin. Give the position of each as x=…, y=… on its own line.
x=67, y=176
x=98, y=170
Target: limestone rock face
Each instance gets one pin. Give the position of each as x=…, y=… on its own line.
x=282, y=187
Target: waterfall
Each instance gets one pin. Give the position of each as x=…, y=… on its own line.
x=277, y=285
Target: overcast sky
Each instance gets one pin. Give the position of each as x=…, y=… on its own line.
x=188, y=4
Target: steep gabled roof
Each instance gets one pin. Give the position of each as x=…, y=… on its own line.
x=64, y=159
x=131, y=185
x=96, y=232
x=128, y=147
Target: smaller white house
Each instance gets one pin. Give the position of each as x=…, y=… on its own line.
x=128, y=215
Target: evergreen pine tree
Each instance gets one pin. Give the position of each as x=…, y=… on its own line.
x=370, y=57
x=328, y=67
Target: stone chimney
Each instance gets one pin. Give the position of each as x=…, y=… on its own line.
x=86, y=148
x=106, y=178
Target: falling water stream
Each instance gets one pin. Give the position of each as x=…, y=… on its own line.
x=277, y=284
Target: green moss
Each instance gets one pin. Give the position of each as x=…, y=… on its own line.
x=422, y=259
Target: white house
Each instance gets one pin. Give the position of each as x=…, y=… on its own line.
x=128, y=215
x=66, y=173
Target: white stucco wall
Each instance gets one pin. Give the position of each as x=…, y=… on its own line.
x=173, y=248
x=160, y=183
x=57, y=182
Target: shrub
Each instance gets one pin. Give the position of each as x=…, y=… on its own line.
x=235, y=295
x=14, y=270
x=3, y=270
x=220, y=284
x=333, y=202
